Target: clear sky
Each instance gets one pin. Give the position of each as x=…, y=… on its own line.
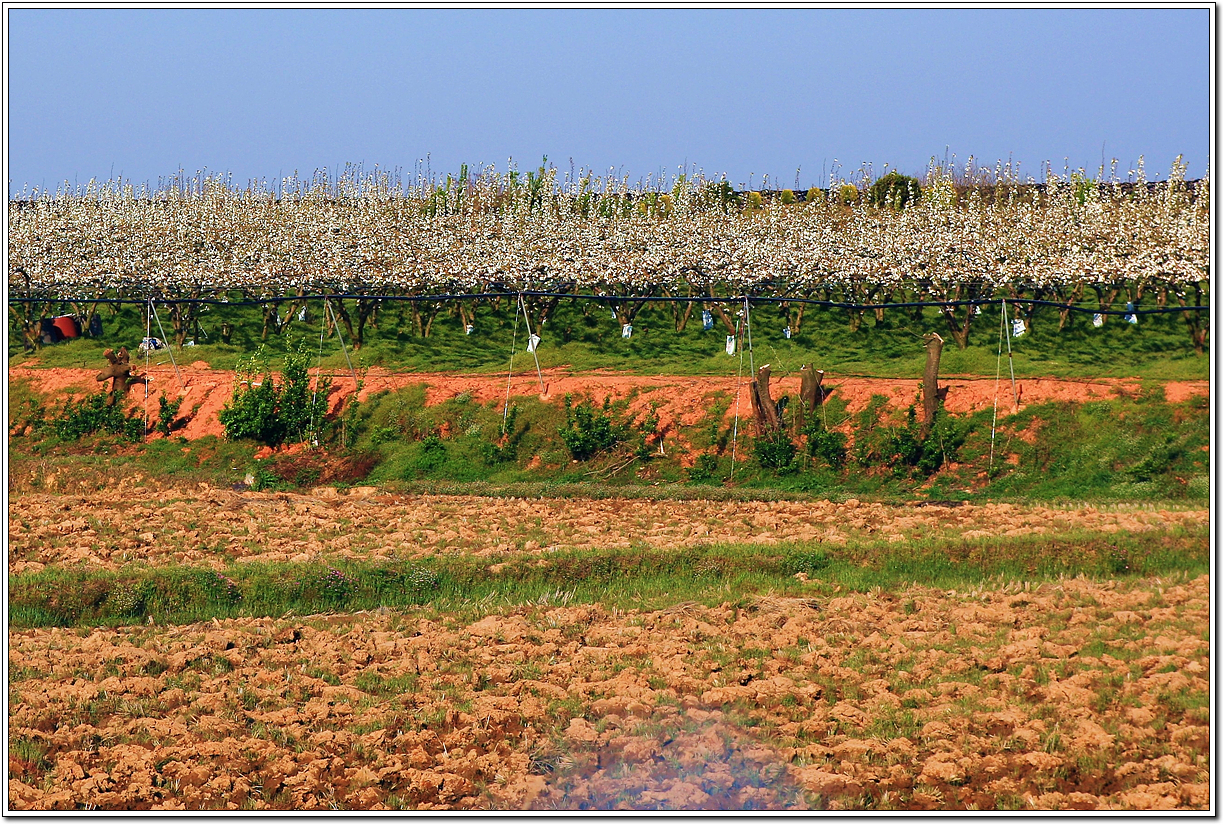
x=260, y=93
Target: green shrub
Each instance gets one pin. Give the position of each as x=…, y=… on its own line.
x=705, y=470
x=432, y=455
x=506, y=447
x=827, y=445
x=167, y=410
x=894, y=190
x=94, y=414
x=588, y=431
x=251, y=413
x=269, y=414
x=906, y=450
x=788, y=196
x=847, y=193
x=775, y=451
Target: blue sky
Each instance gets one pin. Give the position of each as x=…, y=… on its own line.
x=261, y=93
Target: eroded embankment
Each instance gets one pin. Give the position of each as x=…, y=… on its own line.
x=679, y=401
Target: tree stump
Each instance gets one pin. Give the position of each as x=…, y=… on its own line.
x=119, y=373
x=931, y=392
x=764, y=408
x=811, y=394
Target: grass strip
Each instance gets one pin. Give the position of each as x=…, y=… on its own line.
x=637, y=577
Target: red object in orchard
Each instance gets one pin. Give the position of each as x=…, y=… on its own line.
x=67, y=326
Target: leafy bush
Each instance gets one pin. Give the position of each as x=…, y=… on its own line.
x=827, y=445
x=906, y=450
x=167, y=410
x=94, y=414
x=894, y=190
x=589, y=431
x=506, y=447
x=269, y=414
x=775, y=451
x=705, y=470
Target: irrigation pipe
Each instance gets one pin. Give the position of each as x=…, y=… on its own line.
x=760, y=299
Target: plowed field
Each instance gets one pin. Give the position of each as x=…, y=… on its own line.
x=212, y=526
x=1071, y=694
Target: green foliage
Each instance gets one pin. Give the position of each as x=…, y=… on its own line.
x=95, y=414
x=167, y=410
x=262, y=411
x=827, y=445
x=775, y=451
x=847, y=193
x=432, y=455
x=705, y=470
x=505, y=448
x=589, y=431
x=647, y=428
x=787, y=197
x=894, y=190
x=904, y=448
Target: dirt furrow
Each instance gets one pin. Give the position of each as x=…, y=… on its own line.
x=1073, y=694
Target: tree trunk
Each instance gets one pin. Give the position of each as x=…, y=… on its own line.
x=811, y=395
x=722, y=313
x=959, y=329
x=341, y=312
x=931, y=393
x=763, y=407
x=680, y=317
x=1194, y=321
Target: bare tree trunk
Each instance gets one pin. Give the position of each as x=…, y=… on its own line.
x=1194, y=321
x=763, y=407
x=811, y=395
x=722, y=313
x=931, y=393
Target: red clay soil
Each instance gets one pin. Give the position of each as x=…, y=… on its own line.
x=682, y=400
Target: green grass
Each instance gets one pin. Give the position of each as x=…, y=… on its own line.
x=583, y=337
x=639, y=577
